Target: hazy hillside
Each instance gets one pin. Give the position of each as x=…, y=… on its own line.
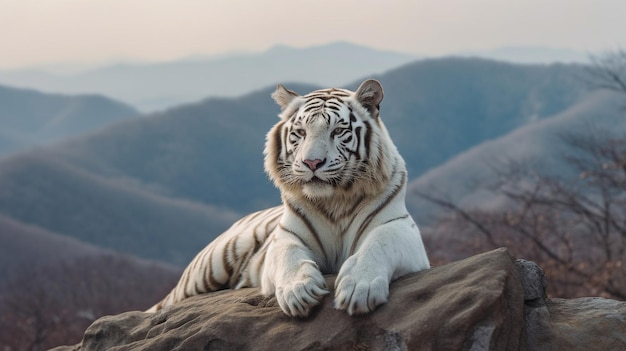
x=433, y=109
x=115, y=213
x=531, y=54
x=209, y=152
x=156, y=86
x=24, y=244
x=128, y=186
x=28, y=245
x=466, y=180
x=52, y=287
x=29, y=118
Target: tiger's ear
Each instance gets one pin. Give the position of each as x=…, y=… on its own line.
x=283, y=96
x=370, y=94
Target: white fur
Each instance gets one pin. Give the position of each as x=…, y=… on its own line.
x=389, y=246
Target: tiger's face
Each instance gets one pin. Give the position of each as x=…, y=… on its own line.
x=322, y=145
x=322, y=148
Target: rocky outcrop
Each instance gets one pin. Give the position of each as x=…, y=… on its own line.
x=486, y=302
x=589, y=323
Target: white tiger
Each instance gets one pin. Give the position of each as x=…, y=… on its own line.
x=342, y=183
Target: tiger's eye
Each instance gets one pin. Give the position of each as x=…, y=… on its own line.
x=300, y=132
x=338, y=131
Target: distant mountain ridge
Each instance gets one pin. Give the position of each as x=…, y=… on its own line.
x=142, y=185
x=26, y=245
x=436, y=108
x=42, y=190
x=29, y=118
x=531, y=55
x=59, y=285
x=469, y=178
x=160, y=85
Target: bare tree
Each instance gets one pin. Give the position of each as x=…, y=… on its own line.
x=574, y=225
x=43, y=306
x=30, y=308
x=608, y=71
x=574, y=228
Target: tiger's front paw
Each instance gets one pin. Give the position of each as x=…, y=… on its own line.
x=296, y=297
x=359, y=289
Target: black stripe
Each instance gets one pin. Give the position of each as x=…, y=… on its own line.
x=199, y=289
x=237, y=277
x=205, y=283
x=373, y=214
x=351, y=211
x=271, y=223
x=185, y=295
x=227, y=265
x=357, y=131
x=308, y=225
x=311, y=105
x=368, y=139
x=213, y=284
x=231, y=250
x=295, y=235
x=249, y=218
x=326, y=117
x=396, y=219
x=188, y=272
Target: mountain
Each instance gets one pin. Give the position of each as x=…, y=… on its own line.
x=53, y=287
x=29, y=118
x=25, y=245
x=164, y=185
x=531, y=54
x=435, y=109
x=111, y=212
x=468, y=179
x=156, y=86
x=211, y=151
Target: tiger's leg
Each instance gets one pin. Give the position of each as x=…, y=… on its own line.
x=292, y=275
x=386, y=253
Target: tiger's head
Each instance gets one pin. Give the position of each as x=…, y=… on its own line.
x=330, y=142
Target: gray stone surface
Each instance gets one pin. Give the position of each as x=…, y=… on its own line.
x=474, y=304
x=485, y=302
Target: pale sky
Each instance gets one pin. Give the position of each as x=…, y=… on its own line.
x=38, y=32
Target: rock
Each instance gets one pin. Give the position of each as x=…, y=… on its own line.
x=579, y=324
x=533, y=281
x=589, y=323
x=485, y=302
x=474, y=304
x=559, y=324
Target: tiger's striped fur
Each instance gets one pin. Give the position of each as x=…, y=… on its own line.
x=342, y=184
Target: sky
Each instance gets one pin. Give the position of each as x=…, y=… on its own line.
x=45, y=32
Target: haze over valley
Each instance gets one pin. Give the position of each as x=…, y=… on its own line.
x=160, y=85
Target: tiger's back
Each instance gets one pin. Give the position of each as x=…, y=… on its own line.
x=233, y=260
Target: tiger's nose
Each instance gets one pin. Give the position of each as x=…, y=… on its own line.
x=314, y=164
